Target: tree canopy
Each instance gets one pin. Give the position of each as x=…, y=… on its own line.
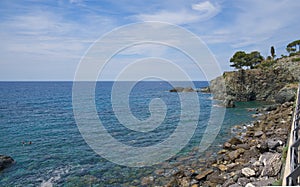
x=292, y=47
x=241, y=59
x=273, y=52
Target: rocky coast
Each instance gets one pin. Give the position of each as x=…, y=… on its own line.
x=255, y=156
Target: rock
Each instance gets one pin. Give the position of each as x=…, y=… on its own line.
x=272, y=164
x=232, y=165
x=205, y=90
x=248, y=172
x=184, y=182
x=177, y=89
x=273, y=144
x=5, y=161
x=235, y=154
x=264, y=182
x=146, y=181
x=222, y=167
x=271, y=108
x=243, y=181
x=286, y=94
x=216, y=178
x=188, y=89
x=253, y=152
x=223, y=151
x=234, y=185
x=243, y=146
x=228, y=182
x=203, y=174
x=194, y=182
x=249, y=185
x=229, y=102
x=235, y=141
x=159, y=171
x=262, y=147
x=181, y=89
x=258, y=133
x=227, y=145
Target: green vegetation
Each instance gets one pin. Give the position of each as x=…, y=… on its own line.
x=292, y=47
x=284, y=154
x=277, y=183
x=241, y=59
x=295, y=59
x=273, y=52
x=266, y=63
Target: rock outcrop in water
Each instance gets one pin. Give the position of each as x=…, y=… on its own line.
x=276, y=83
x=182, y=89
x=5, y=161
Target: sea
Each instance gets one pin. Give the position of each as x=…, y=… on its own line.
x=42, y=113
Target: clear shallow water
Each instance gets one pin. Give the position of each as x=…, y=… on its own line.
x=42, y=112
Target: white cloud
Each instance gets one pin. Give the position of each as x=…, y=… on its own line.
x=179, y=18
x=207, y=9
x=196, y=13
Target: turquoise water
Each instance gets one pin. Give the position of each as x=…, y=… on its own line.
x=41, y=112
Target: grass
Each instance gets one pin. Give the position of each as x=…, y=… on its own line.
x=277, y=183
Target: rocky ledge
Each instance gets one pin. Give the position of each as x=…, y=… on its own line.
x=182, y=89
x=253, y=157
x=5, y=161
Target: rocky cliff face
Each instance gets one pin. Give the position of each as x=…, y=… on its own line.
x=276, y=83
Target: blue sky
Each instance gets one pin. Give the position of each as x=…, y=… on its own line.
x=45, y=40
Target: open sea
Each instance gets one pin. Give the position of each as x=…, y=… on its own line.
x=42, y=112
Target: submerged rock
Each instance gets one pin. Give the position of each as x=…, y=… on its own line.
x=5, y=161
x=204, y=174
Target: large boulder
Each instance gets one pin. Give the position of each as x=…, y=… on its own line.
x=5, y=161
x=286, y=94
x=272, y=164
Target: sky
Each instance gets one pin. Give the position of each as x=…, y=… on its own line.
x=46, y=40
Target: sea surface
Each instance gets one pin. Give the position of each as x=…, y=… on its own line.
x=42, y=112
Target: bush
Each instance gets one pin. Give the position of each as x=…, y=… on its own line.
x=266, y=63
x=295, y=59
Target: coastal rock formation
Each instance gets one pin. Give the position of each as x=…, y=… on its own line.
x=250, y=158
x=263, y=84
x=181, y=89
x=5, y=161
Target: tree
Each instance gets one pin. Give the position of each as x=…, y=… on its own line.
x=238, y=60
x=292, y=47
x=241, y=59
x=273, y=52
x=254, y=58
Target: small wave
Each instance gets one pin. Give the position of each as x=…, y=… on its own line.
x=55, y=176
x=217, y=105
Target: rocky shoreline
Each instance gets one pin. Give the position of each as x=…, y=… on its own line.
x=254, y=157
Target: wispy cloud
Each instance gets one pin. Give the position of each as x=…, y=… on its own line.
x=194, y=13
x=57, y=33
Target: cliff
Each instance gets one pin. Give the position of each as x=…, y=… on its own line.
x=277, y=82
